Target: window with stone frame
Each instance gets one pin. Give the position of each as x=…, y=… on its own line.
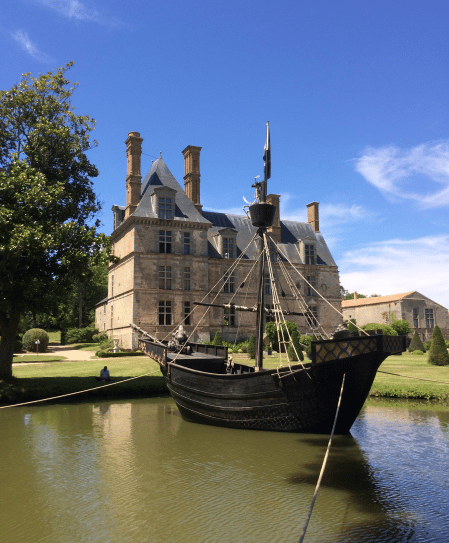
x=164, y=313
x=165, y=241
x=165, y=208
x=165, y=277
x=229, y=316
x=267, y=284
x=228, y=248
x=187, y=278
x=112, y=316
x=312, y=316
x=187, y=315
x=186, y=243
x=229, y=282
x=112, y=285
x=415, y=318
x=312, y=280
x=429, y=318
x=309, y=250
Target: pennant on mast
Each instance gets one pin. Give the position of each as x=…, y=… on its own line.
x=267, y=155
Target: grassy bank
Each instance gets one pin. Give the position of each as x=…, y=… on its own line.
x=33, y=382
x=36, y=381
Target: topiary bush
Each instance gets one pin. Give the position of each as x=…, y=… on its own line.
x=438, y=355
x=31, y=336
x=352, y=326
x=217, y=339
x=252, y=347
x=418, y=352
x=416, y=343
x=427, y=344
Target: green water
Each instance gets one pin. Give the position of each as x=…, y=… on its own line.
x=136, y=472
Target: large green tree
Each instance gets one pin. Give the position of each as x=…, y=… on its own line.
x=48, y=232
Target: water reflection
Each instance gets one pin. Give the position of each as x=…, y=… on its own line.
x=135, y=471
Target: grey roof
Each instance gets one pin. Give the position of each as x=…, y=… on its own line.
x=160, y=175
x=291, y=233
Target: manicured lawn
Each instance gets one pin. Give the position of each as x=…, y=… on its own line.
x=37, y=358
x=55, y=337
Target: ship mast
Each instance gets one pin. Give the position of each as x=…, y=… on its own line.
x=262, y=215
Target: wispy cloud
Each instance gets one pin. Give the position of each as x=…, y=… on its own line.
x=80, y=11
x=22, y=38
x=395, y=266
x=420, y=173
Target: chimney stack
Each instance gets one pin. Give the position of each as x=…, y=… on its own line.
x=192, y=175
x=313, y=215
x=275, y=229
x=356, y=296
x=133, y=176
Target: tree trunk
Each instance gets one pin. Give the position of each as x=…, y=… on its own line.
x=8, y=333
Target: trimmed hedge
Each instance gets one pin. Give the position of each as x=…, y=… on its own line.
x=31, y=336
x=418, y=352
x=416, y=343
x=108, y=354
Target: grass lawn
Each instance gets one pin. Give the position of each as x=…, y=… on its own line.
x=37, y=358
x=55, y=337
x=33, y=382
x=36, y=381
x=84, y=346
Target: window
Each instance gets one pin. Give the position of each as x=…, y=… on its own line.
x=186, y=278
x=415, y=318
x=186, y=243
x=229, y=282
x=164, y=313
x=228, y=248
x=312, y=316
x=429, y=318
x=273, y=255
x=165, y=277
x=229, y=316
x=312, y=280
x=310, y=254
x=112, y=286
x=187, y=315
x=112, y=316
x=165, y=208
x=267, y=284
x=269, y=318
x=164, y=241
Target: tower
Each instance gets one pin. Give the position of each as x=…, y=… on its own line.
x=133, y=176
x=192, y=175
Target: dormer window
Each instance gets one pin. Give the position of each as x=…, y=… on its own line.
x=165, y=208
x=228, y=248
x=309, y=249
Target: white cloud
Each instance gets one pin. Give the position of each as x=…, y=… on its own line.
x=74, y=9
x=395, y=266
x=22, y=38
x=420, y=173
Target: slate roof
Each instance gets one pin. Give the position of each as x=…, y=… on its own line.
x=375, y=300
x=291, y=232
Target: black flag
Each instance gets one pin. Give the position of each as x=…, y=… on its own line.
x=267, y=155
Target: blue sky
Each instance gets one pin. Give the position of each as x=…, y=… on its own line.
x=355, y=92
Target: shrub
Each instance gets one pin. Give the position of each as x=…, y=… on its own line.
x=272, y=333
x=416, y=343
x=106, y=344
x=101, y=336
x=438, y=355
x=217, y=339
x=402, y=327
x=295, y=344
x=418, y=352
x=110, y=354
x=351, y=326
x=80, y=335
x=18, y=346
x=386, y=329
x=252, y=347
x=31, y=336
x=427, y=344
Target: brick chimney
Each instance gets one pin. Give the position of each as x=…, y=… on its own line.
x=133, y=177
x=275, y=229
x=192, y=175
x=356, y=296
x=313, y=215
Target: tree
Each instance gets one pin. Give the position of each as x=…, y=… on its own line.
x=217, y=339
x=438, y=355
x=402, y=327
x=416, y=344
x=352, y=326
x=48, y=237
x=273, y=334
x=252, y=347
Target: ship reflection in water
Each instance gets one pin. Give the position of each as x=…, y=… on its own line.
x=136, y=472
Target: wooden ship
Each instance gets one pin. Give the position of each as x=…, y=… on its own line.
x=209, y=388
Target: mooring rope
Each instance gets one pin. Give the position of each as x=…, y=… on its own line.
x=78, y=391
x=301, y=539
x=411, y=377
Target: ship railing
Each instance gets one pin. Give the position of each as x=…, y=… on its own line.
x=353, y=345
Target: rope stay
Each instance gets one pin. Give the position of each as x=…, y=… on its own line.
x=301, y=539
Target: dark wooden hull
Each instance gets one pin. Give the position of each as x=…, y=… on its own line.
x=300, y=399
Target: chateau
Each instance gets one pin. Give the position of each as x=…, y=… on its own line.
x=172, y=253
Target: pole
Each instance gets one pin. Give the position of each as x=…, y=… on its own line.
x=260, y=304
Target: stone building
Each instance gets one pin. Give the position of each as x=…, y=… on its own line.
x=421, y=312
x=172, y=253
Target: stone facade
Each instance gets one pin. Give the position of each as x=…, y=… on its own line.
x=173, y=253
x=421, y=312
